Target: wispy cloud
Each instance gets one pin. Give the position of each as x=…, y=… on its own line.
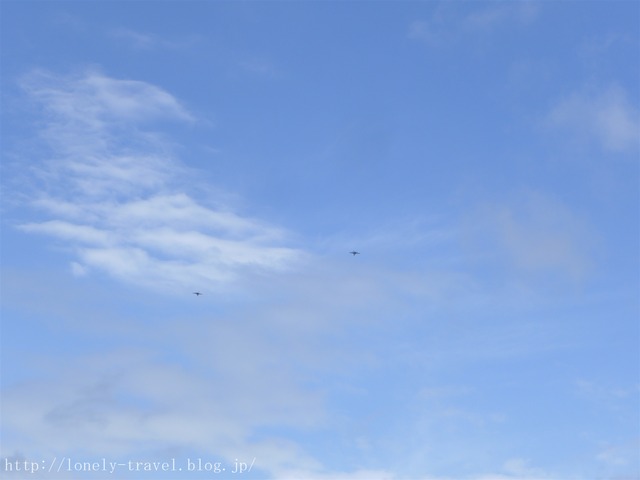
x=621, y=455
x=536, y=232
x=256, y=381
x=138, y=40
x=116, y=197
x=145, y=41
x=261, y=67
x=604, y=115
x=91, y=99
x=233, y=384
x=113, y=402
x=501, y=13
x=447, y=23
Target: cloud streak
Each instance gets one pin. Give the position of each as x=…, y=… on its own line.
x=447, y=24
x=115, y=195
x=143, y=41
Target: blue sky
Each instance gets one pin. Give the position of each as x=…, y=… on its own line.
x=482, y=156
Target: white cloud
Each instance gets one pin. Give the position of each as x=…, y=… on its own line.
x=538, y=233
x=254, y=383
x=179, y=210
x=117, y=198
x=261, y=67
x=606, y=115
x=110, y=403
x=144, y=41
x=423, y=30
x=621, y=455
x=448, y=23
x=69, y=231
x=216, y=386
x=130, y=99
x=434, y=30
x=78, y=270
x=91, y=98
x=138, y=40
x=501, y=13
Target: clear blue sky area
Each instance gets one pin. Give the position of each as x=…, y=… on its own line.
x=483, y=158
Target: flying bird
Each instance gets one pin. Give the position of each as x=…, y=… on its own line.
x=197, y=294
x=354, y=253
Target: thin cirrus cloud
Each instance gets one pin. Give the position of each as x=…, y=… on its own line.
x=144, y=41
x=138, y=40
x=544, y=234
x=503, y=13
x=115, y=197
x=536, y=233
x=604, y=115
x=447, y=23
x=92, y=98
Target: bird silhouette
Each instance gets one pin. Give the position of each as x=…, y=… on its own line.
x=197, y=294
x=354, y=253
